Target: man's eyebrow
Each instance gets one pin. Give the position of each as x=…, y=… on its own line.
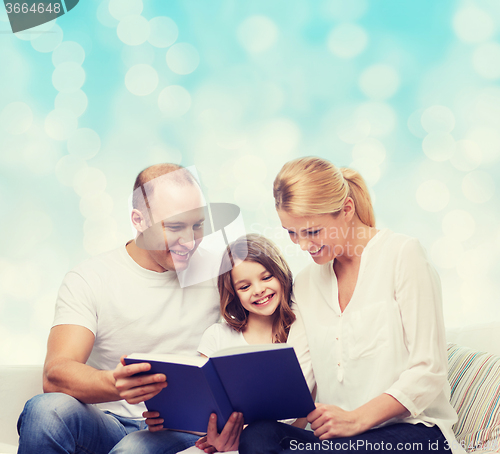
x=180, y=223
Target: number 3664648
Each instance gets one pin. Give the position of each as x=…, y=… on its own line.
x=37, y=8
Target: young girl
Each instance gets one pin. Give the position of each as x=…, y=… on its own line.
x=256, y=307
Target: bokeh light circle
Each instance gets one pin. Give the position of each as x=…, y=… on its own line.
x=16, y=118
x=475, y=263
x=68, y=51
x=250, y=194
x=438, y=119
x=439, y=146
x=433, y=195
x=60, y=124
x=68, y=77
x=250, y=168
x=174, y=101
x=76, y=102
x=446, y=252
x=478, y=186
x=120, y=9
x=67, y=167
x=340, y=10
x=280, y=137
x=488, y=140
x=88, y=181
x=163, y=32
x=257, y=34
x=47, y=42
x=104, y=16
x=486, y=60
x=379, y=115
x=96, y=204
x=84, y=143
x=379, y=82
x=415, y=125
x=137, y=55
x=467, y=155
x=141, y=80
x=368, y=168
x=182, y=58
x=347, y=40
x=371, y=149
x=165, y=153
x=458, y=225
x=473, y=25
x=133, y=30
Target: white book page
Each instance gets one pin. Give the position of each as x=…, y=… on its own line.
x=198, y=361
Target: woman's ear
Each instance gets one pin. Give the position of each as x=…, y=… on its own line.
x=349, y=209
x=138, y=220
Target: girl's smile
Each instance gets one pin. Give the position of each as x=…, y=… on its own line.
x=258, y=290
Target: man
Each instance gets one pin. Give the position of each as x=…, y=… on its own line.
x=124, y=301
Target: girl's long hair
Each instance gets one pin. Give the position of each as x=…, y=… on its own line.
x=258, y=249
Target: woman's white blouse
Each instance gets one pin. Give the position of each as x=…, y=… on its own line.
x=389, y=339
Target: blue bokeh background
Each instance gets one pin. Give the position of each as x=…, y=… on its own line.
x=405, y=92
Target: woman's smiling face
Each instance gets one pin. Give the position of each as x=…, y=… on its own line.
x=324, y=236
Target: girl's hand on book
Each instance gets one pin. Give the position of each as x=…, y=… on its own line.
x=229, y=438
x=136, y=389
x=205, y=446
x=153, y=420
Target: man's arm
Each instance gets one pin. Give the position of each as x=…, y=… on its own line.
x=65, y=371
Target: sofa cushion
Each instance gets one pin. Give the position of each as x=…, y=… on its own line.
x=475, y=394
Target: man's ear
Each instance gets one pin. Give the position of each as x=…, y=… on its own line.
x=349, y=209
x=138, y=220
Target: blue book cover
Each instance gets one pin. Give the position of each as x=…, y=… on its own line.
x=260, y=381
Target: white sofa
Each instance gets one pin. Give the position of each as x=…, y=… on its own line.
x=474, y=376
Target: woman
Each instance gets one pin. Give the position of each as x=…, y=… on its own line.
x=371, y=306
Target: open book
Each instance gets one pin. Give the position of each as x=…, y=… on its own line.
x=260, y=381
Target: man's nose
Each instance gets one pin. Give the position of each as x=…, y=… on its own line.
x=187, y=240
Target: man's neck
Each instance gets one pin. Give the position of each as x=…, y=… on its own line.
x=142, y=258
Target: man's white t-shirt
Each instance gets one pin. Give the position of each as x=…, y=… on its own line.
x=130, y=309
x=389, y=339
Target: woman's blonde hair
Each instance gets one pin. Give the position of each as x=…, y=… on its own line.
x=314, y=186
x=258, y=249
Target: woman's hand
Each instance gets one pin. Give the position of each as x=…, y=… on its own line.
x=330, y=421
x=153, y=420
x=227, y=440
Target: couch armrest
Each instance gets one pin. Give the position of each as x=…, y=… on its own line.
x=18, y=384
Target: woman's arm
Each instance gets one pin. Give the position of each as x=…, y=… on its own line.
x=418, y=294
x=330, y=421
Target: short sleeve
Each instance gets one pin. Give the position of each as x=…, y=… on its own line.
x=211, y=340
x=76, y=303
x=418, y=294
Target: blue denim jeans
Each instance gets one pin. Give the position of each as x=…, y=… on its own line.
x=269, y=437
x=57, y=423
